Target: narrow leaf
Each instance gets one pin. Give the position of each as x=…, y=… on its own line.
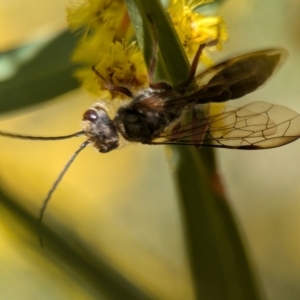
x=218, y=259
x=49, y=73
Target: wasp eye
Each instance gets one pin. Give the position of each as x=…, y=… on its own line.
x=90, y=115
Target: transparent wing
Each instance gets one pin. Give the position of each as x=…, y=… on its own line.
x=258, y=125
x=230, y=79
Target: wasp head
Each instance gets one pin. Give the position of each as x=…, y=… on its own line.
x=100, y=129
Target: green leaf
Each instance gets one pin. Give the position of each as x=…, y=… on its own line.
x=80, y=263
x=218, y=259
x=172, y=64
x=47, y=74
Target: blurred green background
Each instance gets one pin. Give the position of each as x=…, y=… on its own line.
x=118, y=211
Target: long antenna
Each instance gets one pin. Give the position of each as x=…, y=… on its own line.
x=40, y=138
x=54, y=186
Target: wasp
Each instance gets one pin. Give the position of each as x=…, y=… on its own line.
x=180, y=115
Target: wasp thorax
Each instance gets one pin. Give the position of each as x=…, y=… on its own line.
x=100, y=130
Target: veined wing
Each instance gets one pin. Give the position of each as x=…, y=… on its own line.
x=258, y=125
x=228, y=80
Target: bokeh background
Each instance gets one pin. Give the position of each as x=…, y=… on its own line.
x=120, y=209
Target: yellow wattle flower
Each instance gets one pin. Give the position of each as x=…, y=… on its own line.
x=106, y=42
x=120, y=65
x=94, y=14
x=194, y=28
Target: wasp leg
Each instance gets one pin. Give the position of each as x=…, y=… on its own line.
x=119, y=89
x=195, y=61
x=193, y=68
